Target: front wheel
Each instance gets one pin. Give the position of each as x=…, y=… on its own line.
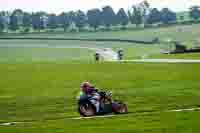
x=87, y=109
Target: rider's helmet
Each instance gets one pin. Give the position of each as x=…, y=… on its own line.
x=85, y=86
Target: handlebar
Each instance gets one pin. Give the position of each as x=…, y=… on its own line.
x=105, y=94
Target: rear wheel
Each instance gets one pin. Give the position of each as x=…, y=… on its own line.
x=87, y=109
x=123, y=108
x=120, y=108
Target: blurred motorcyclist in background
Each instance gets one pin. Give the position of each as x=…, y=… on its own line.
x=120, y=53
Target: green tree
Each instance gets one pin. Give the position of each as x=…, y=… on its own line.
x=80, y=20
x=64, y=21
x=36, y=21
x=52, y=21
x=27, y=21
x=19, y=14
x=154, y=16
x=122, y=18
x=168, y=16
x=13, y=23
x=195, y=12
x=145, y=9
x=16, y=19
x=94, y=18
x=2, y=24
x=135, y=15
x=181, y=18
x=72, y=16
x=139, y=13
x=108, y=17
x=39, y=20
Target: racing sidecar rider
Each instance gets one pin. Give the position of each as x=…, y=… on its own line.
x=90, y=91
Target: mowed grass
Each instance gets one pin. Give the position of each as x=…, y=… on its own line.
x=46, y=94
x=187, y=34
x=30, y=51
x=20, y=54
x=40, y=85
x=38, y=50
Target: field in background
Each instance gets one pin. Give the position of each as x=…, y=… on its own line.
x=189, y=36
x=40, y=84
x=181, y=32
x=32, y=50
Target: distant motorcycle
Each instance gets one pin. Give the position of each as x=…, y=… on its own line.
x=107, y=105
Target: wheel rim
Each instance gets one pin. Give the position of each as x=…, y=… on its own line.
x=123, y=109
x=87, y=110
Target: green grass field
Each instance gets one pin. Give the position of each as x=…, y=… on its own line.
x=39, y=85
x=31, y=50
x=45, y=91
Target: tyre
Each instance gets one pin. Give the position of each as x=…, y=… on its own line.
x=87, y=109
x=120, y=108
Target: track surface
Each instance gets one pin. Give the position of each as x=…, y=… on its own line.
x=104, y=116
x=162, y=61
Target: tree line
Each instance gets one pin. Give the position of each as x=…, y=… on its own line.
x=141, y=15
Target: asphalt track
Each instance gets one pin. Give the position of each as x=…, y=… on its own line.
x=161, y=61
x=98, y=117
